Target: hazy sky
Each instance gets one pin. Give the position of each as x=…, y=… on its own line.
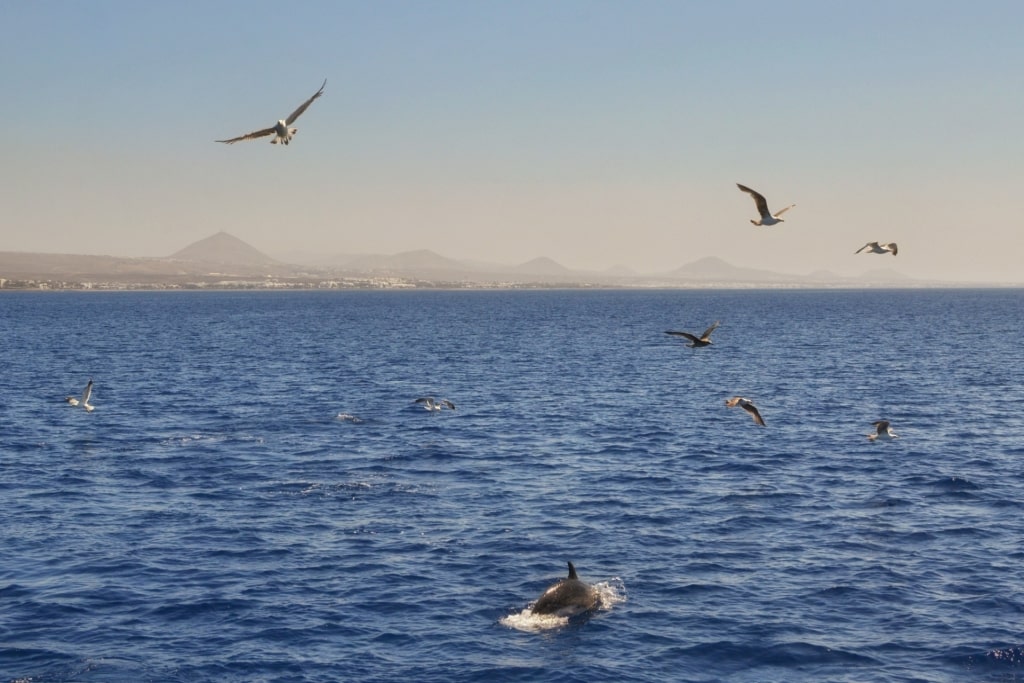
x=596, y=133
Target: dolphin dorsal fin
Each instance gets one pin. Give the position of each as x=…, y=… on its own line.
x=572, y=572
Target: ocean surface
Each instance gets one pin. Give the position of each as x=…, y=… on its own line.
x=256, y=497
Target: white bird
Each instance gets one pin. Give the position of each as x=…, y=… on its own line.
x=876, y=248
x=695, y=341
x=747, y=405
x=882, y=431
x=767, y=217
x=433, y=404
x=86, y=394
x=282, y=133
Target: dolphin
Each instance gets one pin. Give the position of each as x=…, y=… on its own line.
x=566, y=597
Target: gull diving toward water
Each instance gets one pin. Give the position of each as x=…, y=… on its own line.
x=882, y=431
x=877, y=248
x=433, y=404
x=86, y=394
x=703, y=340
x=747, y=405
x=767, y=217
x=282, y=133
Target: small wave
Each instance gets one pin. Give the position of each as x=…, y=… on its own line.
x=954, y=485
x=1013, y=656
x=609, y=594
x=1000, y=658
x=346, y=417
x=802, y=653
x=886, y=502
x=210, y=439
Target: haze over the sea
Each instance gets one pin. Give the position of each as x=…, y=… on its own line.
x=598, y=135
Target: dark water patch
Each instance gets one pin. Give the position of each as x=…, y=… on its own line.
x=885, y=502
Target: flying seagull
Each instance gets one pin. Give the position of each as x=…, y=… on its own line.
x=747, y=405
x=433, y=404
x=281, y=132
x=703, y=340
x=86, y=394
x=882, y=431
x=767, y=217
x=877, y=248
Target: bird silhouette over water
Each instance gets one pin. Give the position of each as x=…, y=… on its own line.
x=84, y=402
x=747, y=405
x=883, y=430
x=767, y=217
x=695, y=341
x=434, y=404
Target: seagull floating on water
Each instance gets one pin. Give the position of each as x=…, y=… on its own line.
x=747, y=405
x=434, y=404
x=767, y=217
x=282, y=133
x=86, y=394
x=876, y=248
x=882, y=431
x=703, y=340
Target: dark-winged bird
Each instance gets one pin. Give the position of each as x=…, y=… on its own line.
x=86, y=395
x=281, y=131
x=747, y=405
x=767, y=217
x=882, y=431
x=702, y=340
x=876, y=248
x=434, y=404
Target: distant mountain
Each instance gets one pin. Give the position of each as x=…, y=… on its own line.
x=715, y=269
x=79, y=267
x=427, y=264
x=825, y=276
x=542, y=266
x=620, y=270
x=225, y=258
x=407, y=261
x=226, y=249
x=883, y=275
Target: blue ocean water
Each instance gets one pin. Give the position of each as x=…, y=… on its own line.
x=256, y=497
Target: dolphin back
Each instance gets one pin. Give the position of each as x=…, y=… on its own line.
x=569, y=595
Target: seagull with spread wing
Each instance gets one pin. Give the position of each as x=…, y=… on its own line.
x=876, y=248
x=86, y=395
x=695, y=341
x=434, y=405
x=747, y=405
x=767, y=217
x=883, y=430
x=281, y=131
